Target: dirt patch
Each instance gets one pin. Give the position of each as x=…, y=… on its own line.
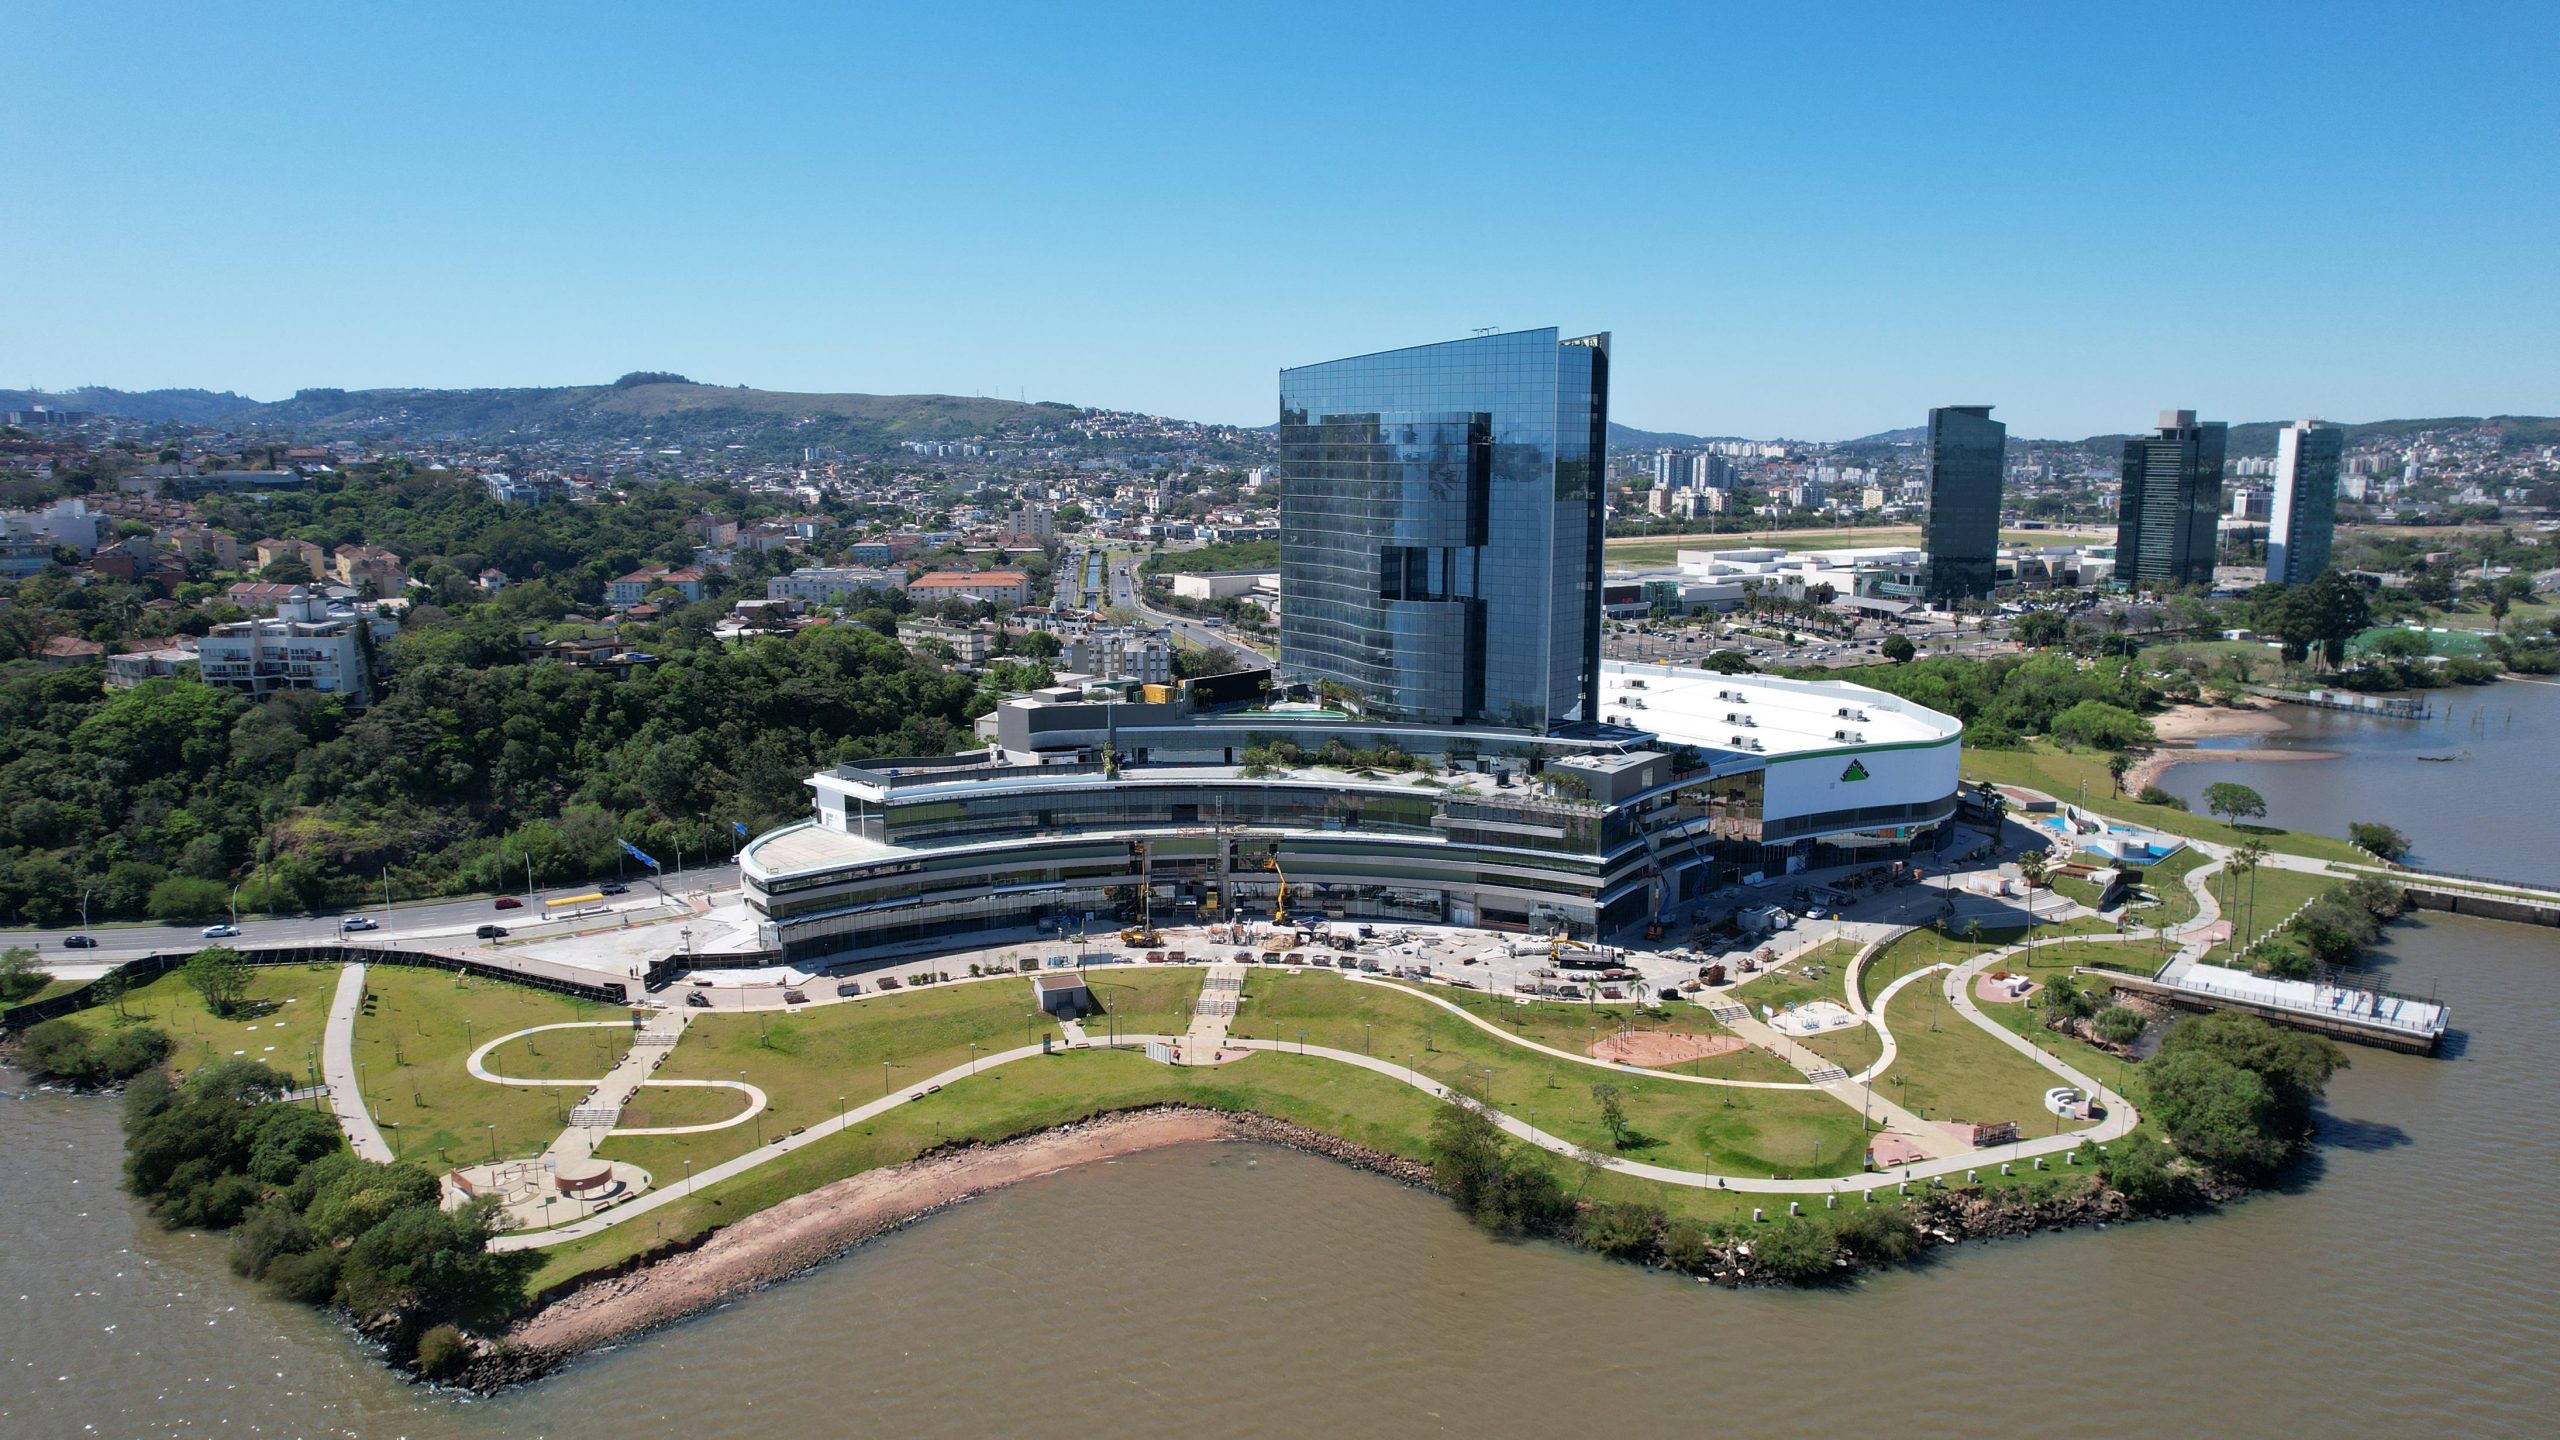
x=806, y=1229
x=1889, y=1150
x=1663, y=1047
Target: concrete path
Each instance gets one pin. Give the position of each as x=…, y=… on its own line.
x=1612, y=1066
x=338, y=1068
x=1205, y=1043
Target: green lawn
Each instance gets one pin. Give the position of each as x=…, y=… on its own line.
x=1571, y=1027
x=2263, y=901
x=1949, y=1068
x=807, y=1060
x=2134, y=957
x=1777, y=989
x=1921, y=949
x=410, y=1047
x=2165, y=880
x=658, y=1105
x=1750, y=1132
x=1153, y=1001
x=561, y=1054
x=286, y=1009
x=2062, y=773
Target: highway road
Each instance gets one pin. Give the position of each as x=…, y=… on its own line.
x=1125, y=590
x=425, y=919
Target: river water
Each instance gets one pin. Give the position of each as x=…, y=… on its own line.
x=2493, y=810
x=2410, y=1281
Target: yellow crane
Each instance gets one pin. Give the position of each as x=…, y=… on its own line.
x=1280, y=907
x=1144, y=932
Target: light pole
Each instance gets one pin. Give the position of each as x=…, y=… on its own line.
x=973, y=1057
x=492, y=1127
x=84, y=905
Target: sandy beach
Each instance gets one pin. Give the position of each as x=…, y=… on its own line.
x=2181, y=726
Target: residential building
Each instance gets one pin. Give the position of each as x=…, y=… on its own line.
x=2305, y=514
x=492, y=580
x=261, y=597
x=1029, y=528
x=1120, y=652
x=1441, y=513
x=509, y=490
x=831, y=584
x=1710, y=472
x=1671, y=469
x=68, y=523
x=359, y=565
x=133, y=667
x=970, y=644
x=1967, y=455
x=635, y=588
x=2168, y=521
x=988, y=587
x=306, y=645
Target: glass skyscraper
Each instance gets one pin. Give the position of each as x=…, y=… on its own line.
x=2169, y=524
x=1440, y=527
x=2306, y=501
x=1967, y=450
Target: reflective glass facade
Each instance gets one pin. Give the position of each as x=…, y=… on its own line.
x=2306, y=501
x=1967, y=449
x=2169, y=524
x=1440, y=527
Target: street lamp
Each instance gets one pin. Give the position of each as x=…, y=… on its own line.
x=492, y=1127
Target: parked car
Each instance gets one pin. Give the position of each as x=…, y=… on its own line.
x=616, y=889
x=221, y=931
x=795, y=997
x=491, y=932
x=848, y=987
x=697, y=999
x=79, y=942
x=358, y=922
x=508, y=902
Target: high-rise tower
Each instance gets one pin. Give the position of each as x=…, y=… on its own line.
x=2305, y=513
x=2168, y=525
x=1440, y=526
x=1967, y=449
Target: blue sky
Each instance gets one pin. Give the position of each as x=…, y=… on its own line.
x=1810, y=221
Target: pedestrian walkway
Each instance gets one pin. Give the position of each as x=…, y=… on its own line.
x=338, y=1068
x=1205, y=1043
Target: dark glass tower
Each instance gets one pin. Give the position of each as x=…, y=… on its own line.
x=1440, y=524
x=2169, y=524
x=2306, y=503
x=1967, y=450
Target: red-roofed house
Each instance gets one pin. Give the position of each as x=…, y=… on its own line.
x=992, y=587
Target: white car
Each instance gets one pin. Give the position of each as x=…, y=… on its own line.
x=221, y=932
x=358, y=922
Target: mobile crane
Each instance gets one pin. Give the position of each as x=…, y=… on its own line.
x=1280, y=907
x=1144, y=932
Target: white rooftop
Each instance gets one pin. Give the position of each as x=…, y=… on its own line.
x=1786, y=717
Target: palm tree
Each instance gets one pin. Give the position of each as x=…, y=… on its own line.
x=2119, y=763
x=2248, y=857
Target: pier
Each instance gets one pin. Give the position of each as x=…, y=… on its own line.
x=2363, y=1015
x=2389, y=707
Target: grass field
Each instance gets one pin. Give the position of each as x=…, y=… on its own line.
x=2062, y=774
x=561, y=1054
x=1574, y=1027
x=1750, y=1132
x=1153, y=1001
x=805, y=1060
x=410, y=1047
x=2258, y=903
x=658, y=1105
x=1777, y=989
x=1948, y=1068
x=286, y=1009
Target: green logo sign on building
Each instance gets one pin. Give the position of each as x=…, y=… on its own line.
x=1857, y=771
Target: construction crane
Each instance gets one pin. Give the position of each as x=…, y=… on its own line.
x=1144, y=932
x=1280, y=907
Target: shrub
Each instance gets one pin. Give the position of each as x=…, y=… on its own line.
x=2154, y=795
x=2381, y=839
x=1795, y=1249
x=441, y=1351
x=1879, y=1232
x=182, y=897
x=1625, y=1229
x=2119, y=1024
x=2143, y=1171
x=64, y=1050
x=1686, y=1246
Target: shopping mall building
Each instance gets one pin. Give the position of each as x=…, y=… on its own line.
x=1083, y=800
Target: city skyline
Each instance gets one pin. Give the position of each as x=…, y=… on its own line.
x=1089, y=215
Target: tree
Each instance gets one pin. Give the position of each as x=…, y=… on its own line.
x=2032, y=868
x=2234, y=802
x=1613, y=1111
x=2039, y=628
x=2119, y=764
x=183, y=897
x=2246, y=860
x=217, y=973
x=2379, y=838
x=2102, y=725
x=1898, y=649
x=20, y=976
